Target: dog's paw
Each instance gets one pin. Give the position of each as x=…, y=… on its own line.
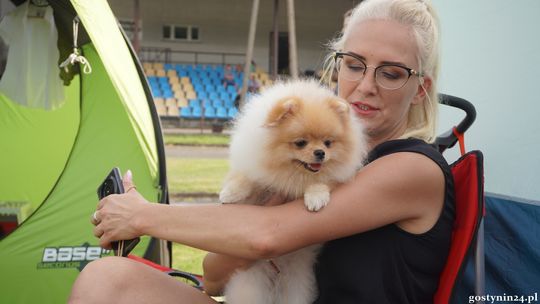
x=316, y=197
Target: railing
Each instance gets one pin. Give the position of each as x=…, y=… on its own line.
x=167, y=55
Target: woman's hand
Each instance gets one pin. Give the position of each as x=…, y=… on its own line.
x=115, y=214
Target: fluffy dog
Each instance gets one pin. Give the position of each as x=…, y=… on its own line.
x=295, y=140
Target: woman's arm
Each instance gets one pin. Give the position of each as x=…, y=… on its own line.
x=403, y=188
x=218, y=269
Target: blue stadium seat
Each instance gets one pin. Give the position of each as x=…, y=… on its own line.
x=232, y=112
x=196, y=81
x=194, y=103
x=207, y=103
x=168, y=66
x=201, y=94
x=233, y=96
x=210, y=88
x=213, y=95
x=165, y=86
x=220, y=88
x=221, y=113
x=168, y=94
x=156, y=92
x=229, y=103
x=198, y=87
x=185, y=112
x=231, y=89
x=216, y=102
x=210, y=112
x=206, y=81
x=224, y=95
x=196, y=112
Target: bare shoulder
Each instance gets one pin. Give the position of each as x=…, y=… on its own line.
x=415, y=185
x=409, y=167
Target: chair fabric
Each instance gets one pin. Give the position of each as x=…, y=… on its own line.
x=468, y=172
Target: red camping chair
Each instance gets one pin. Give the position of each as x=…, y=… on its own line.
x=467, y=235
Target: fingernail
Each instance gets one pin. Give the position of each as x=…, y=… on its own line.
x=129, y=176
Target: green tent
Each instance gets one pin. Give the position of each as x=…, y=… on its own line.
x=54, y=154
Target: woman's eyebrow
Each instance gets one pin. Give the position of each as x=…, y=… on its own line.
x=394, y=63
x=358, y=56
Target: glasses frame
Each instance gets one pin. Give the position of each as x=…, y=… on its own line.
x=411, y=72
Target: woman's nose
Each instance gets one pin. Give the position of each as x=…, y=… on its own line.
x=367, y=85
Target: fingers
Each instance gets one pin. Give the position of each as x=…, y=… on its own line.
x=104, y=238
x=94, y=219
x=128, y=181
x=98, y=231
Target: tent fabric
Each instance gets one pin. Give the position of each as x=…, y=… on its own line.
x=512, y=251
x=103, y=30
x=105, y=139
x=31, y=76
x=53, y=162
x=35, y=146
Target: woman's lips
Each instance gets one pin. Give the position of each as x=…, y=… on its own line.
x=364, y=109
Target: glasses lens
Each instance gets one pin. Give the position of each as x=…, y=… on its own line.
x=350, y=68
x=391, y=76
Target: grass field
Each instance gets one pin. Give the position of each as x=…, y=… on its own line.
x=196, y=139
x=193, y=176
x=187, y=259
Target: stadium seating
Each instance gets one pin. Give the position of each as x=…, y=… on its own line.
x=192, y=91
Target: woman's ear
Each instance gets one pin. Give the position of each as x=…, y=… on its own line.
x=423, y=88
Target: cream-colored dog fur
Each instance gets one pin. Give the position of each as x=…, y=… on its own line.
x=266, y=158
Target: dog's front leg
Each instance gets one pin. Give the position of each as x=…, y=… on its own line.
x=236, y=189
x=316, y=196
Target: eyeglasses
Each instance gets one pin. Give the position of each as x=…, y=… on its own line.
x=389, y=76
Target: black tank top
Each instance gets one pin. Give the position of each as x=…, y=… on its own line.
x=388, y=264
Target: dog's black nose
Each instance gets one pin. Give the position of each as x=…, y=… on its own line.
x=319, y=154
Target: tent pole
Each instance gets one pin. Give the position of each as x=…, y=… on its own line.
x=249, y=51
x=293, y=64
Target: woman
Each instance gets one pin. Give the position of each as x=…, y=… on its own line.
x=387, y=232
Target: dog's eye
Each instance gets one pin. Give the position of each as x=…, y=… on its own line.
x=328, y=143
x=300, y=143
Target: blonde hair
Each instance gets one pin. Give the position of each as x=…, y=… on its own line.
x=421, y=17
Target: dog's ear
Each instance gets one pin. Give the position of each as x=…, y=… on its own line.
x=340, y=106
x=283, y=109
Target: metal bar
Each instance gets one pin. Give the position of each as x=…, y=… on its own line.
x=136, y=25
x=479, y=265
x=293, y=58
x=249, y=51
x=275, y=36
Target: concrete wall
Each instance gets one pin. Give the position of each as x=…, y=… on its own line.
x=491, y=56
